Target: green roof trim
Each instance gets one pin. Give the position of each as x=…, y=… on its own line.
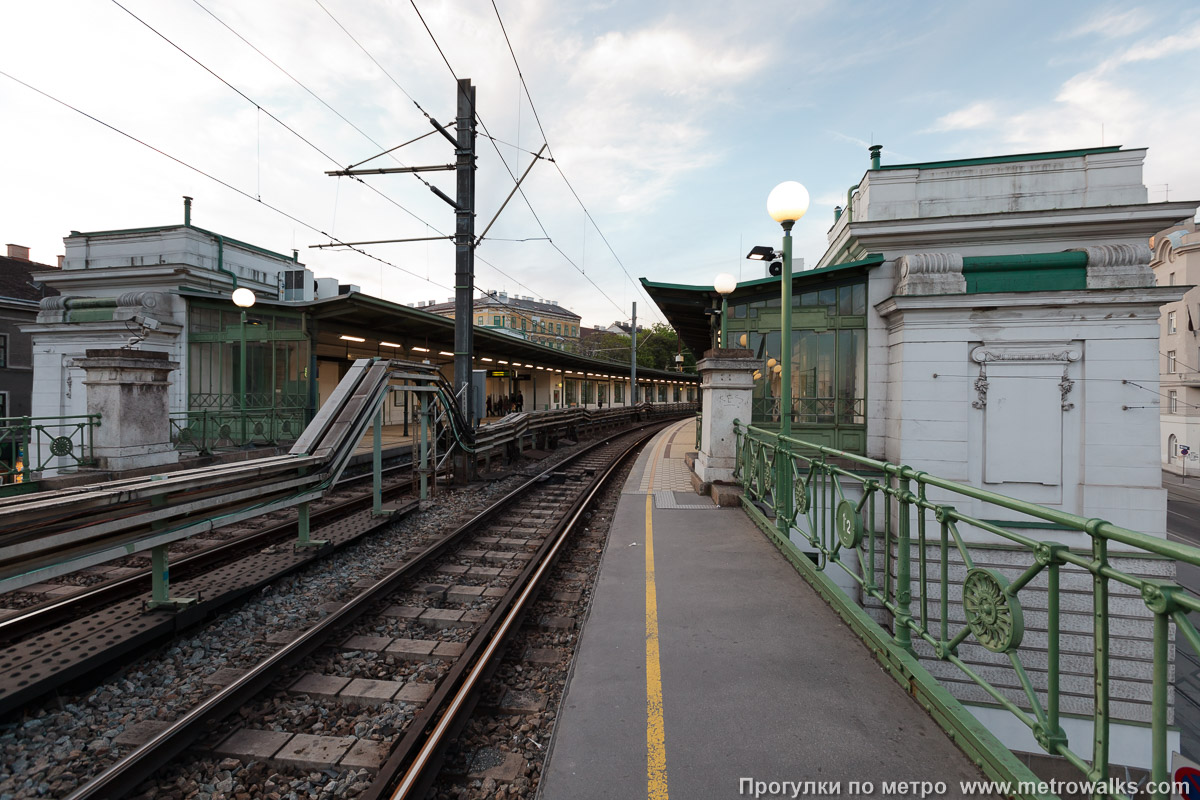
x=969, y=162
x=872, y=260
x=1038, y=272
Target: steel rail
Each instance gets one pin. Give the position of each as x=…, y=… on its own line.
x=431, y=730
x=125, y=775
x=40, y=617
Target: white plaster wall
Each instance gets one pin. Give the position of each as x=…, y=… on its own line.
x=1109, y=439
x=1101, y=179
x=178, y=246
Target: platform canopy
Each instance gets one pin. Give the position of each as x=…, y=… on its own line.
x=684, y=305
x=373, y=319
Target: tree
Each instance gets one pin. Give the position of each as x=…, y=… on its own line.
x=657, y=347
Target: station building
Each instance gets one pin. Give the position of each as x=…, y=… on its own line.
x=995, y=322
x=168, y=289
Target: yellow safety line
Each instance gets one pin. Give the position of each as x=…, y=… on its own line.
x=656, y=748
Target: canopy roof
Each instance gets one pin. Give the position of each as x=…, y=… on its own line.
x=684, y=305
x=372, y=318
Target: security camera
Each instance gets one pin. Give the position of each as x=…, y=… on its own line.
x=149, y=323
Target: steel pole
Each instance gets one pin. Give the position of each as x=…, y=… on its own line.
x=785, y=332
x=724, y=327
x=464, y=263
x=242, y=388
x=633, y=358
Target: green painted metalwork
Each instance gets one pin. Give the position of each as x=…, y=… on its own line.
x=253, y=361
x=33, y=444
x=1037, y=272
x=958, y=603
x=208, y=431
x=970, y=162
x=699, y=427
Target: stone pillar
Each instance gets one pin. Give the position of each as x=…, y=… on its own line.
x=726, y=391
x=128, y=389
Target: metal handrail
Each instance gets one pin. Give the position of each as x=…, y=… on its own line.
x=830, y=497
x=210, y=430
x=32, y=444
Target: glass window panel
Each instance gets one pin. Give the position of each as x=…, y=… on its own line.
x=774, y=302
x=852, y=371
x=827, y=297
x=808, y=299
x=844, y=300
x=204, y=320
x=859, y=303
x=739, y=311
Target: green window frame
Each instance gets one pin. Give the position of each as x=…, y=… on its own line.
x=828, y=341
x=277, y=351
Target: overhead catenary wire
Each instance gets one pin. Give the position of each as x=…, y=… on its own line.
x=432, y=121
x=493, y=140
x=541, y=128
x=210, y=176
x=487, y=135
x=307, y=141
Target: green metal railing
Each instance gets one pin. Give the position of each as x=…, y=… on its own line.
x=886, y=525
x=209, y=430
x=31, y=444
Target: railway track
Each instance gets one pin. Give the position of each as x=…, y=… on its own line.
x=133, y=574
x=434, y=625
x=53, y=645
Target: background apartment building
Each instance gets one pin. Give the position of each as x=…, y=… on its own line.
x=541, y=321
x=1177, y=263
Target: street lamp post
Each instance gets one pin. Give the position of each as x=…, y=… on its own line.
x=786, y=204
x=243, y=298
x=724, y=284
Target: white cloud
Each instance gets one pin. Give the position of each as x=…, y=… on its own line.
x=979, y=114
x=1155, y=48
x=1112, y=23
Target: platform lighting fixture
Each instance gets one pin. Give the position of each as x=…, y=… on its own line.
x=761, y=253
x=445, y=353
x=786, y=204
x=346, y=338
x=485, y=358
x=724, y=284
x=502, y=361
x=530, y=366
x=421, y=349
x=389, y=344
x=243, y=298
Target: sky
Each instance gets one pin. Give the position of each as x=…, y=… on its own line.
x=668, y=123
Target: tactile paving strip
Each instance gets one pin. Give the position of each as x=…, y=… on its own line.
x=666, y=499
x=672, y=473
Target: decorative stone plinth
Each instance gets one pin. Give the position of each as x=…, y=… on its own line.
x=726, y=392
x=128, y=389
